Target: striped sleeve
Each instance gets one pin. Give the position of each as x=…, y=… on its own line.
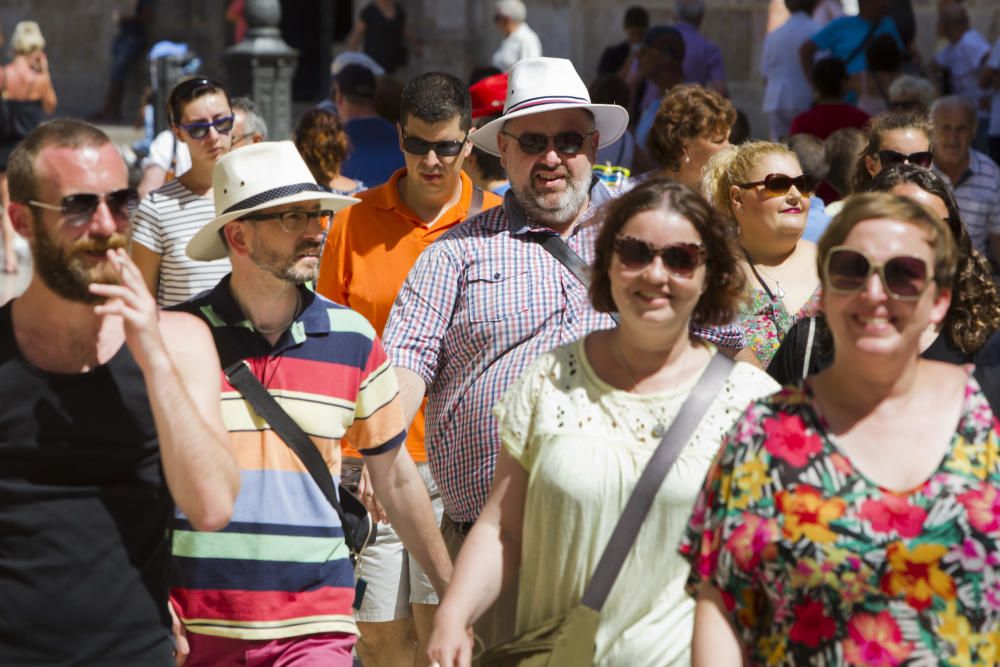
x=378, y=416
x=146, y=229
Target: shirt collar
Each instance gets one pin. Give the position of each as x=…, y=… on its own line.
x=223, y=310
x=518, y=221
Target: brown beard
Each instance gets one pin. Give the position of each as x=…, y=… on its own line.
x=65, y=271
x=283, y=267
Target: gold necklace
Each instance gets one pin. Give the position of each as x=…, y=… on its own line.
x=278, y=329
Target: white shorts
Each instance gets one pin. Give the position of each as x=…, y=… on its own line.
x=395, y=580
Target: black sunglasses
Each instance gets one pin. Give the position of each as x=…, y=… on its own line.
x=417, y=146
x=904, y=277
x=294, y=222
x=535, y=143
x=920, y=158
x=776, y=185
x=681, y=259
x=200, y=130
x=79, y=208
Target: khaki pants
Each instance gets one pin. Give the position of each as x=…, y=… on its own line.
x=497, y=624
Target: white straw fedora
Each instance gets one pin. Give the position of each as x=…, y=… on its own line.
x=253, y=178
x=537, y=85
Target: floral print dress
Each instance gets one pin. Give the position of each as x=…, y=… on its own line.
x=766, y=321
x=818, y=565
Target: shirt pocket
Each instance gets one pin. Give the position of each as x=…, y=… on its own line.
x=495, y=292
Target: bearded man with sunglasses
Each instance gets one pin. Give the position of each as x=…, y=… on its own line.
x=109, y=417
x=369, y=250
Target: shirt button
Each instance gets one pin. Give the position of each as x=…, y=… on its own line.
x=659, y=430
x=496, y=276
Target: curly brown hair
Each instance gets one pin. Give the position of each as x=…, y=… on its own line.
x=974, y=313
x=323, y=144
x=876, y=130
x=724, y=281
x=687, y=111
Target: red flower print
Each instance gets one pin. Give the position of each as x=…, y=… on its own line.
x=894, y=513
x=786, y=437
x=875, y=640
x=983, y=508
x=812, y=626
x=808, y=513
x=751, y=538
x=917, y=574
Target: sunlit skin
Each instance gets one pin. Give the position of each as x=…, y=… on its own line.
x=202, y=110
x=286, y=256
x=697, y=152
x=905, y=140
x=767, y=219
x=955, y=132
x=929, y=201
x=432, y=178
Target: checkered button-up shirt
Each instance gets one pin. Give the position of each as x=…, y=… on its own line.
x=479, y=305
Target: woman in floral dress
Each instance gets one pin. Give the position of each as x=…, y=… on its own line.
x=856, y=519
x=761, y=186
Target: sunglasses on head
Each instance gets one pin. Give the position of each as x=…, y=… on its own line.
x=536, y=143
x=200, y=130
x=904, y=277
x=776, y=185
x=417, y=146
x=294, y=222
x=681, y=259
x=78, y=209
x=920, y=158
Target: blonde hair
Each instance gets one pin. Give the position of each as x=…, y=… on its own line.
x=731, y=166
x=27, y=38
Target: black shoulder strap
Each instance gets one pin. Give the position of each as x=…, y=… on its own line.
x=627, y=529
x=240, y=376
x=555, y=246
x=864, y=43
x=476, y=203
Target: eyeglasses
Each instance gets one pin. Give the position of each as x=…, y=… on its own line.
x=535, y=143
x=904, y=277
x=239, y=139
x=417, y=146
x=200, y=130
x=80, y=208
x=681, y=259
x=920, y=158
x=294, y=222
x=775, y=185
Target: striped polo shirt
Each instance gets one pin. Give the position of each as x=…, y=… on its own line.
x=280, y=568
x=164, y=222
x=977, y=193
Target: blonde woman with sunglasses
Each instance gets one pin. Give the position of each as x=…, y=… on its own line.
x=566, y=471
x=167, y=218
x=851, y=520
x=760, y=186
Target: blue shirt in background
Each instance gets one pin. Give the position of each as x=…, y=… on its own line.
x=374, y=154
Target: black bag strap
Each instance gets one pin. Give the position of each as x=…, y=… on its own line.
x=476, y=203
x=555, y=246
x=240, y=376
x=864, y=43
x=639, y=503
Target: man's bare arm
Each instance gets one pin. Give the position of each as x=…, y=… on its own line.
x=411, y=393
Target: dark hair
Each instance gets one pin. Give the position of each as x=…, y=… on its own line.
x=974, y=313
x=61, y=133
x=883, y=55
x=829, y=75
x=876, y=129
x=609, y=89
x=388, y=90
x=435, y=97
x=687, y=111
x=842, y=149
x=807, y=6
x=740, y=131
x=636, y=17
x=488, y=165
x=322, y=143
x=481, y=72
x=188, y=90
x=724, y=280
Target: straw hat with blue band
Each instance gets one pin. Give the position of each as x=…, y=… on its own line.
x=251, y=179
x=537, y=85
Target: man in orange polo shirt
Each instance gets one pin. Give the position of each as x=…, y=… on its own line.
x=369, y=250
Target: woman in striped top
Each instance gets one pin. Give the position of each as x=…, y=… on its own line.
x=167, y=218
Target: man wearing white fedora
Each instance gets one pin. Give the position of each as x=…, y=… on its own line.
x=277, y=586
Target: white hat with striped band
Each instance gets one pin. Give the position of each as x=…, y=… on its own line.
x=537, y=85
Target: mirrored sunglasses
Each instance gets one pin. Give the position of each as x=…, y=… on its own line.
x=200, y=130
x=920, y=158
x=79, y=208
x=776, y=185
x=904, y=277
x=417, y=146
x=681, y=259
x=535, y=143
x=294, y=222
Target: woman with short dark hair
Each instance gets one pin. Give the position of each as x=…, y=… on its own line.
x=580, y=425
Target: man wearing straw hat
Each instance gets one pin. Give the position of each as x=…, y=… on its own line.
x=277, y=586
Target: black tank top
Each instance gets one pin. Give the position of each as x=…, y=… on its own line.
x=84, y=516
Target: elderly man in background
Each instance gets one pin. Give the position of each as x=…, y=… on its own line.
x=519, y=40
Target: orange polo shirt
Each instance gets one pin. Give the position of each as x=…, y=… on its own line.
x=369, y=250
